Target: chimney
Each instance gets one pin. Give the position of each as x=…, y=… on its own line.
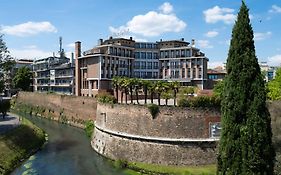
x=182, y=39
x=160, y=40
x=110, y=37
x=77, y=49
x=77, y=68
x=193, y=43
x=72, y=58
x=100, y=41
x=131, y=38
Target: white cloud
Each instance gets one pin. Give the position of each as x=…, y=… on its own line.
x=262, y=36
x=204, y=44
x=275, y=9
x=29, y=53
x=214, y=64
x=211, y=34
x=71, y=45
x=151, y=24
x=166, y=8
x=29, y=28
x=216, y=14
x=274, y=60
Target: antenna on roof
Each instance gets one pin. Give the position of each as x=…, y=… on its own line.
x=60, y=44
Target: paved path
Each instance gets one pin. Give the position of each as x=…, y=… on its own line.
x=10, y=121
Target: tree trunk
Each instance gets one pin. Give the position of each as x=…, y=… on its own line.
x=131, y=94
x=145, y=95
x=151, y=97
x=137, y=96
x=166, y=100
x=126, y=96
x=175, y=96
x=159, y=99
x=122, y=96
x=116, y=91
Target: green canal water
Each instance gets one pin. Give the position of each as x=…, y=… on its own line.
x=67, y=152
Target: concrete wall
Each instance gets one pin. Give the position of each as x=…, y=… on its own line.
x=177, y=136
x=73, y=107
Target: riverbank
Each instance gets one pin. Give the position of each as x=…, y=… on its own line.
x=135, y=168
x=18, y=144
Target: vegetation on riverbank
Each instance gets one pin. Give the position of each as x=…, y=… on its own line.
x=18, y=144
x=143, y=168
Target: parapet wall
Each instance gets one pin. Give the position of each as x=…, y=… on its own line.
x=177, y=136
x=73, y=108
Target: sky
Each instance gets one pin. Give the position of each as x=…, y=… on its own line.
x=32, y=28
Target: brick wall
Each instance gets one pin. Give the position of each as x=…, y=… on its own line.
x=83, y=108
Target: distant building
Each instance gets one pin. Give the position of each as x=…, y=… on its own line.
x=267, y=71
x=173, y=60
x=54, y=74
x=217, y=73
x=23, y=63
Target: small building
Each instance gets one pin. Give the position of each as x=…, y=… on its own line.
x=54, y=74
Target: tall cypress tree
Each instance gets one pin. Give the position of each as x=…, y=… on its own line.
x=246, y=138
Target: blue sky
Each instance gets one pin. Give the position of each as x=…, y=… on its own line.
x=32, y=27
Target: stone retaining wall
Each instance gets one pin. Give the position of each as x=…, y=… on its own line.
x=177, y=136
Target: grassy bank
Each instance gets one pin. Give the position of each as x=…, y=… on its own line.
x=18, y=144
x=143, y=168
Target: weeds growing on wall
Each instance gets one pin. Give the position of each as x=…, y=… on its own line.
x=106, y=98
x=201, y=101
x=89, y=127
x=154, y=110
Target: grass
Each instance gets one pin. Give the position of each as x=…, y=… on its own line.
x=143, y=168
x=18, y=144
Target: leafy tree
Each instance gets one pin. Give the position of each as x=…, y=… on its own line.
x=166, y=95
x=115, y=85
x=145, y=85
x=175, y=87
x=151, y=89
x=274, y=87
x=23, y=79
x=6, y=65
x=4, y=107
x=137, y=87
x=218, y=88
x=246, y=137
x=1, y=86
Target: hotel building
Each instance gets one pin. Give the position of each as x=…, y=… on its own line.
x=174, y=60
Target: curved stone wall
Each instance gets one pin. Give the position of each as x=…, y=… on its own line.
x=177, y=136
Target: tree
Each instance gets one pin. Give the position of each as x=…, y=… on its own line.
x=138, y=86
x=115, y=85
x=23, y=79
x=218, y=88
x=246, y=136
x=6, y=64
x=4, y=107
x=1, y=86
x=175, y=87
x=145, y=85
x=151, y=89
x=274, y=87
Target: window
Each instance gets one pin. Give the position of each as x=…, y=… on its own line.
x=187, y=53
x=149, y=46
x=182, y=53
x=137, y=45
x=183, y=73
x=137, y=55
x=143, y=64
x=155, y=55
x=149, y=65
x=155, y=65
x=149, y=55
x=143, y=55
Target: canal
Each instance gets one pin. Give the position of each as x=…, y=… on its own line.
x=67, y=152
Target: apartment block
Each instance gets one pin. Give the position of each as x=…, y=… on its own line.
x=174, y=60
x=54, y=74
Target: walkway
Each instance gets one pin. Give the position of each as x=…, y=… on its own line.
x=10, y=121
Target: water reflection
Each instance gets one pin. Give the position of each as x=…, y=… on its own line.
x=68, y=152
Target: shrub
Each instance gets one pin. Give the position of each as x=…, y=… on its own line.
x=121, y=164
x=106, y=98
x=154, y=110
x=89, y=127
x=4, y=107
x=201, y=101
